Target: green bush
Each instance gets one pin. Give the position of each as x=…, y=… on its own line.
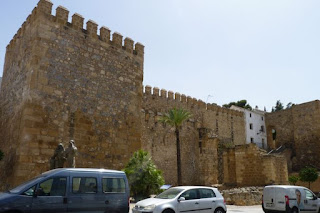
x=308, y=174
x=143, y=176
x=293, y=179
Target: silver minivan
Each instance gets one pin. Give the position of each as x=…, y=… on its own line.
x=70, y=190
x=289, y=199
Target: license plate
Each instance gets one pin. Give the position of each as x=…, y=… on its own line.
x=269, y=204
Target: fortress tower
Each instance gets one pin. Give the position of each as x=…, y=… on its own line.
x=63, y=82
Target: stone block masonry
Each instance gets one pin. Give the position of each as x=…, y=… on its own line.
x=200, y=135
x=248, y=165
x=64, y=82
x=298, y=129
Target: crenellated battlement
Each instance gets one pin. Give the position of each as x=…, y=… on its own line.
x=170, y=96
x=44, y=9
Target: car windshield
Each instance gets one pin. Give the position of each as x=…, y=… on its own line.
x=170, y=193
x=22, y=186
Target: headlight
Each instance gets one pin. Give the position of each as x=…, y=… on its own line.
x=150, y=207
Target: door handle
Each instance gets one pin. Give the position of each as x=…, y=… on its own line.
x=196, y=203
x=107, y=202
x=213, y=201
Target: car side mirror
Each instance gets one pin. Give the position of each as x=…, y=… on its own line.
x=319, y=195
x=181, y=199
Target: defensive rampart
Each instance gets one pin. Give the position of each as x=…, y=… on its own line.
x=298, y=128
x=64, y=82
x=200, y=136
x=248, y=165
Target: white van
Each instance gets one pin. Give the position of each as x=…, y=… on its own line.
x=289, y=199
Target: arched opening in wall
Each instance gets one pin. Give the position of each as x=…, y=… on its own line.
x=271, y=137
x=274, y=134
x=274, y=137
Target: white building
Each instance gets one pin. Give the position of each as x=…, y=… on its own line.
x=255, y=126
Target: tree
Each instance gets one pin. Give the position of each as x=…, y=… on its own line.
x=308, y=174
x=293, y=179
x=289, y=105
x=175, y=118
x=279, y=106
x=241, y=103
x=1, y=154
x=143, y=176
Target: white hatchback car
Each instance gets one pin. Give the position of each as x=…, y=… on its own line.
x=184, y=199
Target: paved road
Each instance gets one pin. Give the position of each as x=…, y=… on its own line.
x=246, y=209
x=235, y=209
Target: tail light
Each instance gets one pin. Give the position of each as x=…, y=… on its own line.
x=224, y=201
x=262, y=200
x=287, y=199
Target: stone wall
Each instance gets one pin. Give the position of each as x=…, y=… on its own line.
x=199, y=136
x=64, y=82
x=247, y=165
x=199, y=165
x=246, y=196
x=298, y=128
x=227, y=124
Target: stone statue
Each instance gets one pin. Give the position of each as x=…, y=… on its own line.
x=58, y=158
x=70, y=154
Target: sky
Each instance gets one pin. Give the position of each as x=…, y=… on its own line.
x=214, y=50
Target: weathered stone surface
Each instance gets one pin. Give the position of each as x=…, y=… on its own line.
x=60, y=83
x=298, y=128
x=64, y=82
x=248, y=165
x=247, y=196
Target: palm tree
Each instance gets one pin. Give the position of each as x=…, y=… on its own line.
x=175, y=118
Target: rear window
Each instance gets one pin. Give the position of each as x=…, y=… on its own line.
x=113, y=185
x=206, y=193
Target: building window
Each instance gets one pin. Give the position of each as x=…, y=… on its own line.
x=251, y=126
x=262, y=128
x=250, y=115
x=263, y=143
x=251, y=140
x=261, y=117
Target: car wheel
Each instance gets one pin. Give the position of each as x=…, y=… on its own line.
x=168, y=211
x=219, y=210
x=295, y=210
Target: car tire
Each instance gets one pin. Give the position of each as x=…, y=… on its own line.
x=219, y=210
x=294, y=210
x=168, y=211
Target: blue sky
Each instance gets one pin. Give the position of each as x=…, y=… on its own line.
x=217, y=51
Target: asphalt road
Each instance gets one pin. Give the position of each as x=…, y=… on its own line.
x=234, y=209
x=246, y=209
